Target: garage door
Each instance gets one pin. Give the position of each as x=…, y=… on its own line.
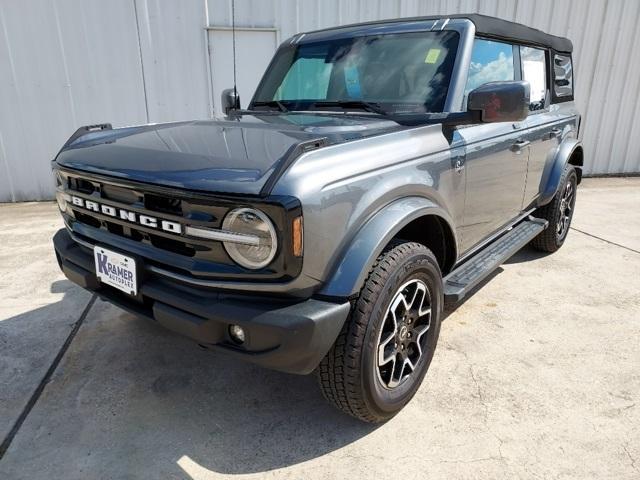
x=254, y=49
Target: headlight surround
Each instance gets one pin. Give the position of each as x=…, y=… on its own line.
x=59, y=179
x=251, y=222
x=62, y=199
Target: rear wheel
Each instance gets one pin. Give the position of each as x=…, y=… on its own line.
x=558, y=212
x=384, y=350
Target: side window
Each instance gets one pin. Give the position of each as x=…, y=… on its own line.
x=308, y=78
x=490, y=62
x=534, y=69
x=562, y=77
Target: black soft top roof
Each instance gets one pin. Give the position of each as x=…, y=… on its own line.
x=492, y=27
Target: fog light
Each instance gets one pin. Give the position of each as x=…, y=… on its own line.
x=236, y=332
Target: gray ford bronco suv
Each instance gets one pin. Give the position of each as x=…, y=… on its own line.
x=379, y=170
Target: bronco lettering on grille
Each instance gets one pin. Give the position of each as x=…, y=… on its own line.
x=145, y=220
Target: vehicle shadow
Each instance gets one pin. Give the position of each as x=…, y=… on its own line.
x=526, y=254
x=220, y=414
x=450, y=308
x=138, y=400
x=30, y=341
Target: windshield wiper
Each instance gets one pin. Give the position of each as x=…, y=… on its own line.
x=271, y=103
x=361, y=104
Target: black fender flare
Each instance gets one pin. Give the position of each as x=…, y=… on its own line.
x=551, y=176
x=350, y=273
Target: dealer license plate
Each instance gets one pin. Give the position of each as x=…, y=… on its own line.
x=116, y=270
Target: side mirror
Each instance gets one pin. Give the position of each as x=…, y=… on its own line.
x=230, y=100
x=500, y=102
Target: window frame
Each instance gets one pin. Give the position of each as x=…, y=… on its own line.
x=552, y=76
x=515, y=52
x=459, y=28
x=548, y=90
x=550, y=97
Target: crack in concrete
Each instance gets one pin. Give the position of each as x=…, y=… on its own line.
x=479, y=393
x=472, y=460
x=605, y=240
x=35, y=396
x=500, y=443
x=631, y=458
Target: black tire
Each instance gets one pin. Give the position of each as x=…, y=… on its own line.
x=560, y=208
x=350, y=376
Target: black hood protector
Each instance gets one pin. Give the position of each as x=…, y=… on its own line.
x=244, y=154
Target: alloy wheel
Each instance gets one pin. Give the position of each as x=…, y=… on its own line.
x=402, y=338
x=566, y=209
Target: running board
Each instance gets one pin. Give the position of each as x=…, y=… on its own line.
x=464, y=278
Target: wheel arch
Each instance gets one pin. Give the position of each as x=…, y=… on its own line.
x=577, y=160
x=435, y=233
x=413, y=219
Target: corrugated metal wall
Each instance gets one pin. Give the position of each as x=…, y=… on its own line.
x=65, y=63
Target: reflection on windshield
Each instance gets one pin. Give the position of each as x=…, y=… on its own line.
x=407, y=72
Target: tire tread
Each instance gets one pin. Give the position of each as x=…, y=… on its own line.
x=339, y=373
x=546, y=241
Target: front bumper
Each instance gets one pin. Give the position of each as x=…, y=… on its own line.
x=285, y=336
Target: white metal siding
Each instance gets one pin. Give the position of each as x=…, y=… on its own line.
x=66, y=63
x=62, y=64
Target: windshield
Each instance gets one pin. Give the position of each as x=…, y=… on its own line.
x=406, y=72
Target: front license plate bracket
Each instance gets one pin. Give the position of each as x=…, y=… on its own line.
x=116, y=270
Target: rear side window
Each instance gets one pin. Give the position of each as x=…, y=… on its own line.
x=562, y=77
x=534, y=69
x=490, y=62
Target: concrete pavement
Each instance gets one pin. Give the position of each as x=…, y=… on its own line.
x=537, y=375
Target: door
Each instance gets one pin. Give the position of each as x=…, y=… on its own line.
x=254, y=49
x=496, y=154
x=543, y=127
x=496, y=164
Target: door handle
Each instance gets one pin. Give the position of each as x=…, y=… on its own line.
x=519, y=145
x=554, y=133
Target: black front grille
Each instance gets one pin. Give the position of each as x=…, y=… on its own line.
x=160, y=240
x=114, y=200
x=161, y=207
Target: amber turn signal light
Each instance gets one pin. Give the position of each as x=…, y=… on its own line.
x=296, y=233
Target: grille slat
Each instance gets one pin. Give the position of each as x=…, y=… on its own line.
x=160, y=207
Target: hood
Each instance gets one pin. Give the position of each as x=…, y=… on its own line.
x=235, y=155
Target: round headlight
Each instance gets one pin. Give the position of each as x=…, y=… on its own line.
x=262, y=243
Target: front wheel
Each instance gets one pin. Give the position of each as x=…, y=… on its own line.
x=558, y=212
x=386, y=345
